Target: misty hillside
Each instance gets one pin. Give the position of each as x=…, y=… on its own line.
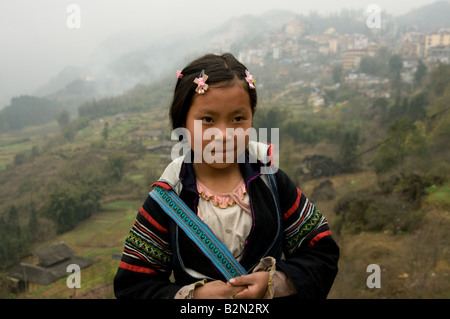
x=427, y=18
x=27, y=110
x=113, y=70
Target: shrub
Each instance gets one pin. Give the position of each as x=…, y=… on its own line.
x=371, y=211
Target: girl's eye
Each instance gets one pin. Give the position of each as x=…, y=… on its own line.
x=238, y=119
x=207, y=119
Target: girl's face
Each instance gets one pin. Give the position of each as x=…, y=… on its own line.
x=209, y=117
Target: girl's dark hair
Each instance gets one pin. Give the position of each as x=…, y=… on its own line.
x=220, y=69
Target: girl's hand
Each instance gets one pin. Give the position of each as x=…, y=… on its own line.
x=255, y=285
x=217, y=290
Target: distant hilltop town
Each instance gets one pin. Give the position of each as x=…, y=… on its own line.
x=294, y=44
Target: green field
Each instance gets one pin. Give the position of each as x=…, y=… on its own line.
x=439, y=195
x=100, y=238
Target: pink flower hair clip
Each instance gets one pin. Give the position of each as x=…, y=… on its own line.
x=249, y=78
x=202, y=87
x=179, y=74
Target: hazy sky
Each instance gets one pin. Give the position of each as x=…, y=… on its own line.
x=36, y=43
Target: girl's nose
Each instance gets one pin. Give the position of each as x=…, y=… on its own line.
x=226, y=133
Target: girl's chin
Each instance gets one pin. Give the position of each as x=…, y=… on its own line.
x=219, y=166
x=223, y=155
x=220, y=159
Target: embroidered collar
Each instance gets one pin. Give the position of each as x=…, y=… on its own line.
x=236, y=196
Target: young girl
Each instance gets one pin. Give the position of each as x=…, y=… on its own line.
x=272, y=230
